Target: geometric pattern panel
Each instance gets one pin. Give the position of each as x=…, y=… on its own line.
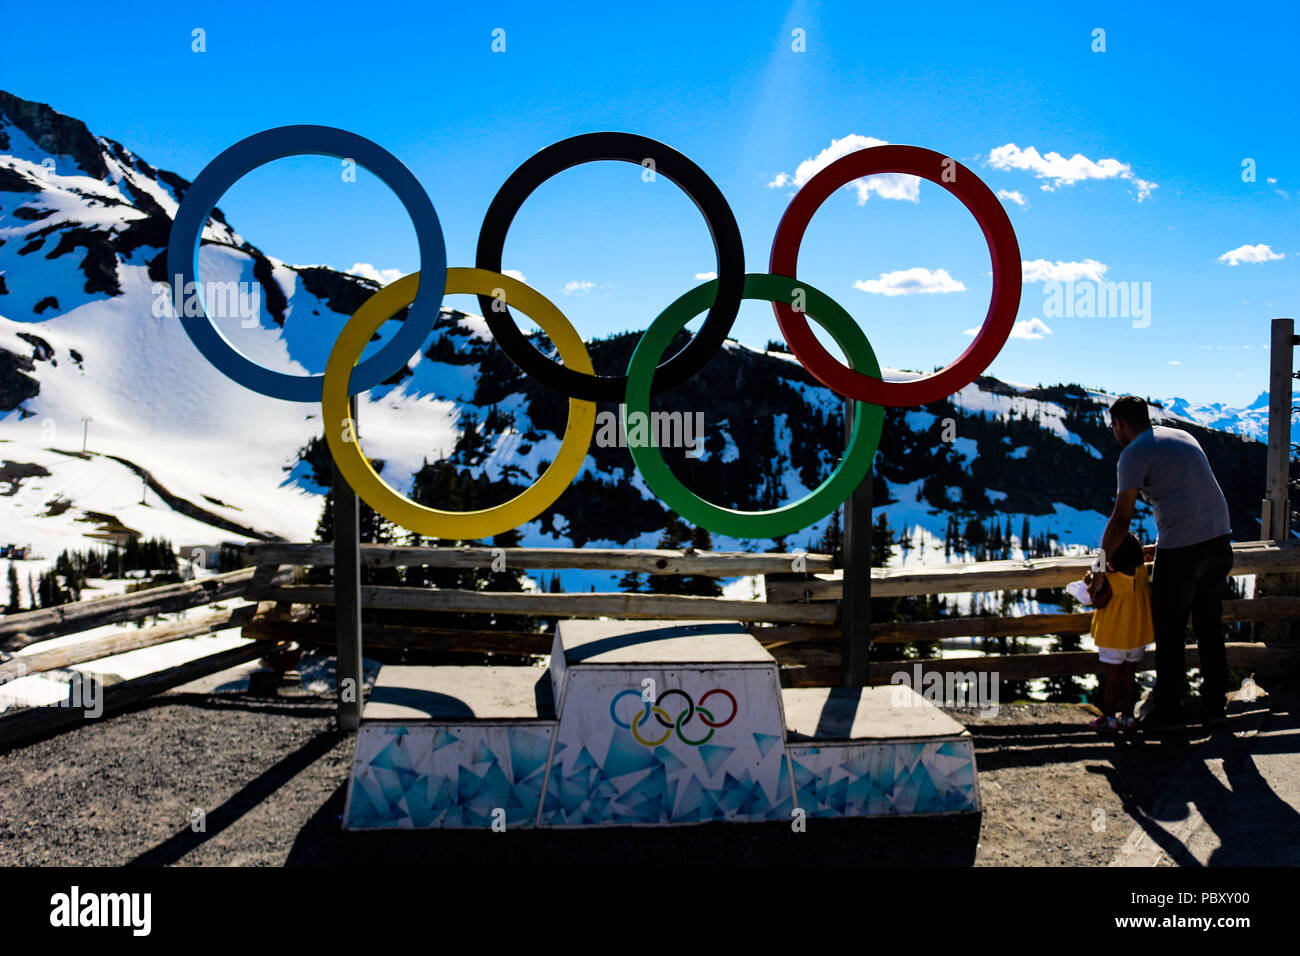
x=853, y=780
x=447, y=776
x=646, y=745
x=707, y=744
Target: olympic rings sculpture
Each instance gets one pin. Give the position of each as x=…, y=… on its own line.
x=648, y=373
x=673, y=724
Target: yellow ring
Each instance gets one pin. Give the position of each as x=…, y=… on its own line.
x=340, y=432
x=636, y=722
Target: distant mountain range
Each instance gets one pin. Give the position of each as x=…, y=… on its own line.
x=1249, y=422
x=84, y=350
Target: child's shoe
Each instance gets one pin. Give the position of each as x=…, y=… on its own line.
x=1104, y=723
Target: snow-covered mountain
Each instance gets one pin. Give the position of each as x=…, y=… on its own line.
x=1249, y=422
x=83, y=224
x=87, y=348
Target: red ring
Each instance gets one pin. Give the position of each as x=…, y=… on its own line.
x=1003, y=248
x=734, y=707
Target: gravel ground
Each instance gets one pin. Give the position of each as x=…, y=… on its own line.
x=269, y=776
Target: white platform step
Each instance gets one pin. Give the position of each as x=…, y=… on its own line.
x=638, y=723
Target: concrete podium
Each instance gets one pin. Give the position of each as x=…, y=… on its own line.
x=645, y=724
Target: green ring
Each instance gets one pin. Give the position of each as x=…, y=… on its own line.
x=826, y=497
x=687, y=740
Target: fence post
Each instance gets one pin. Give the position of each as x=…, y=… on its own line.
x=855, y=599
x=1275, y=513
x=347, y=594
x=1275, y=509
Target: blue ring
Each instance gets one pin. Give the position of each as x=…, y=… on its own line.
x=268, y=146
x=613, y=713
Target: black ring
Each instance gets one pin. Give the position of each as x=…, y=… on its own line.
x=681, y=693
x=592, y=147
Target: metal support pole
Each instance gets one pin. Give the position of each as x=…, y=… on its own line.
x=1276, y=509
x=855, y=604
x=347, y=594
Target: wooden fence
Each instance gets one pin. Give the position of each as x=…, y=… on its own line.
x=797, y=618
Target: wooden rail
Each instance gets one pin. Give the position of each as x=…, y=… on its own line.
x=1246, y=609
x=27, y=627
x=819, y=671
x=405, y=637
x=616, y=604
x=643, y=560
x=37, y=662
x=1249, y=557
x=30, y=722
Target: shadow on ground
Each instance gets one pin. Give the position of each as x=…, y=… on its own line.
x=936, y=841
x=1200, y=817
x=220, y=818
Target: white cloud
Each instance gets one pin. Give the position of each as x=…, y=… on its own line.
x=1012, y=196
x=1034, y=328
x=1065, y=172
x=381, y=276
x=514, y=274
x=1259, y=253
x=884, y=185
x=578, y=287
x=1272, y=180
x=911, y=282
x=1175, y=362
x=1041, y=270
x=706, y=276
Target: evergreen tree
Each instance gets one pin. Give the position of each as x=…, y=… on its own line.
x=440, y=485
x=50, y=592
x=882, y=549
x=15, y=593
x=882, y=544
x=832, y=541
x=701, y=584
x=633, y=582
x=674, y=537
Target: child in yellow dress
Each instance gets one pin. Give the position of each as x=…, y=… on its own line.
x=1122, y=630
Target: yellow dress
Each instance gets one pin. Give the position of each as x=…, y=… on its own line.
x=1125, y=622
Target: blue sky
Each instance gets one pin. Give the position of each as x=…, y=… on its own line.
x=1151, y=134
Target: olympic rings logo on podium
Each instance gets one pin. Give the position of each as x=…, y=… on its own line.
x=648, y=373
x=692, y=709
